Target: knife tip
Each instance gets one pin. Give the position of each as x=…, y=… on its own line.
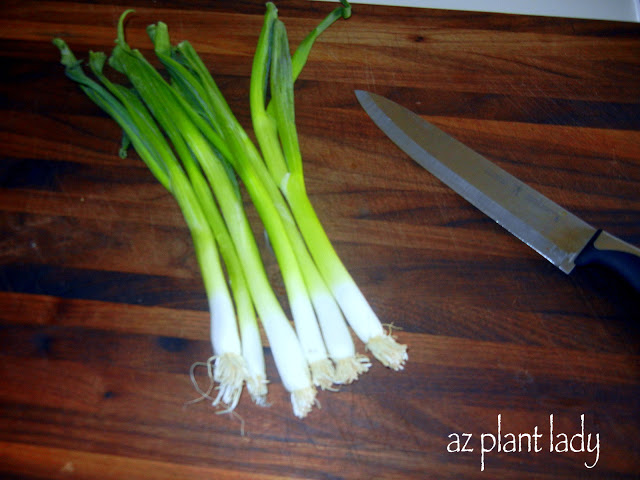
x=362, y=95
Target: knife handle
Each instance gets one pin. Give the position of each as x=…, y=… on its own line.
x=611, y=252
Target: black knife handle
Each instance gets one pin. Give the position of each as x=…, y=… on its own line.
x=611, y=252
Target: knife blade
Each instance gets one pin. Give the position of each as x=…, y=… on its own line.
x=555, y=233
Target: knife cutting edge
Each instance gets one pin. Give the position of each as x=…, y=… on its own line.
x=555, y=233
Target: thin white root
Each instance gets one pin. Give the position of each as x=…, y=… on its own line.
x=323, y=374
x=240, y=419
x=302, y=401
x=204, y=395
x=390, y=353
x=257, y=387
x=229, y=372
x=350, y=368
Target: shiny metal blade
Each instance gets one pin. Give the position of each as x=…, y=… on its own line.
x=549, y=229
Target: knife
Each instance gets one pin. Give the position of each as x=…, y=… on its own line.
x=555, y=233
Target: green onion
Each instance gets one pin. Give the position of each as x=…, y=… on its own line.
x=288, y=174
x=334, y=328
x=140, y=129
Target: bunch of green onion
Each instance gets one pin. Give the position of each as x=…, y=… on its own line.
x=187, y=135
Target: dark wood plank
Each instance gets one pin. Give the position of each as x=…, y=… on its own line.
x=102, y=310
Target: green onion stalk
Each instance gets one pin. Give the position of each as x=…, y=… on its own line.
x=193, y=81
x=192, y=145
x=349, y=364
x=229, y=375
x=143, y=133
x=286, y=169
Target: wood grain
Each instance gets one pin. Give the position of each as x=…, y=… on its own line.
x=102, y=310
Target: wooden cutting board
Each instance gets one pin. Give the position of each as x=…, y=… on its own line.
x=102, y=310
